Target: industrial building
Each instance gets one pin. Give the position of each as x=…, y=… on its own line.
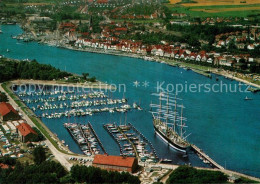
x=115, y=163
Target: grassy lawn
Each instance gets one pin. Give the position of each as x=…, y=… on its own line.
x=28, y=158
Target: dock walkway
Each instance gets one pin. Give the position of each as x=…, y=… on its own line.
x=200, y=152
x=145, y=139
x=115, y=139
x=97, y=138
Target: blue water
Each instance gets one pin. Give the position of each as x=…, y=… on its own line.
x=224, y=125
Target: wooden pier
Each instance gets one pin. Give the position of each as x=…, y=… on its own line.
x=115, y=139
x=132, y=144
x=97, y=138
x=86, y=139
x=145, y=139
x=206, y=157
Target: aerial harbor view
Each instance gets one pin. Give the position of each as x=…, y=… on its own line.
x=129, y=91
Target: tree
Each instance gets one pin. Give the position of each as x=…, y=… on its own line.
x=40, y=137
x=3, y=97
x=96, y=175
x=92, y=79
x=187, y=174
x=39, y=155
x=232, y=46
x=85, y=75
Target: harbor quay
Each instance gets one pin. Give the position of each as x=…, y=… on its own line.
x=120, y=134
x=132, y=145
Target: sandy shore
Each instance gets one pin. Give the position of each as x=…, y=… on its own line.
x=230, y=76
x=95, y=85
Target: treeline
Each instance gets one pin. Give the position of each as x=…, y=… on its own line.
x=187, y=174
x=29, y=70
x=141, y=9
x=153, y=37
x=202, y=32
x=53, y=172
x=45, y=172
x=82, y=174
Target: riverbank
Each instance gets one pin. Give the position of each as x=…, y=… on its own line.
x=52, y=40
x=200, y=69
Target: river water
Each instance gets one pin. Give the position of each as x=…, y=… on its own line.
x=223, y=124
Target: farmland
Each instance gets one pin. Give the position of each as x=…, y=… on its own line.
x=210, y=8
x=214, y=2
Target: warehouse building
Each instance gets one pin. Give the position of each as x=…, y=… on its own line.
x=115, y=163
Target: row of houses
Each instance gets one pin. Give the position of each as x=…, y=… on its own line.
x=225, y=43
x=167, y=51
x=240, y=38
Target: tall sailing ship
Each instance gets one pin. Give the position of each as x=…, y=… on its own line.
x=169, y=124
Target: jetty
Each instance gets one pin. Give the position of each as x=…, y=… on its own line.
x=85, y=137
x=113, y=136
x=201, y=72
x=97, y=138
x=145, y=140
x=206, y=157
x=253, y=90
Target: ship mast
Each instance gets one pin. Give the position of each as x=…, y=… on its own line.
x=175, y=114
x=167, y=111
x=159, y=114
x=181, y=120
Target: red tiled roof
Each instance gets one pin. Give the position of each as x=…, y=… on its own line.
x=5, y=166
x=114, y=160
x=121, y=29
x=25, y=129
x=5, y=108
x=102, y=1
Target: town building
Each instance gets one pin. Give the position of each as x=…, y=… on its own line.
x=115, y=163
x=26, y=132
x=7, y=112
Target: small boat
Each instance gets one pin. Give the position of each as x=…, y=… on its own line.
x=246, y=98
x=166, y=161
x=217, y=79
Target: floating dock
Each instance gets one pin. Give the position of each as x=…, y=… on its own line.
x=132, y=142
x=85, y=137
x=115, y=139
x=145, y=139
x=97, y=138
x=206, y=157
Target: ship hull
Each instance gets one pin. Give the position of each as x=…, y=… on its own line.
x=169, y=142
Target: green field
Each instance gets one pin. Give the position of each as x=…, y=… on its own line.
x=217, y=11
